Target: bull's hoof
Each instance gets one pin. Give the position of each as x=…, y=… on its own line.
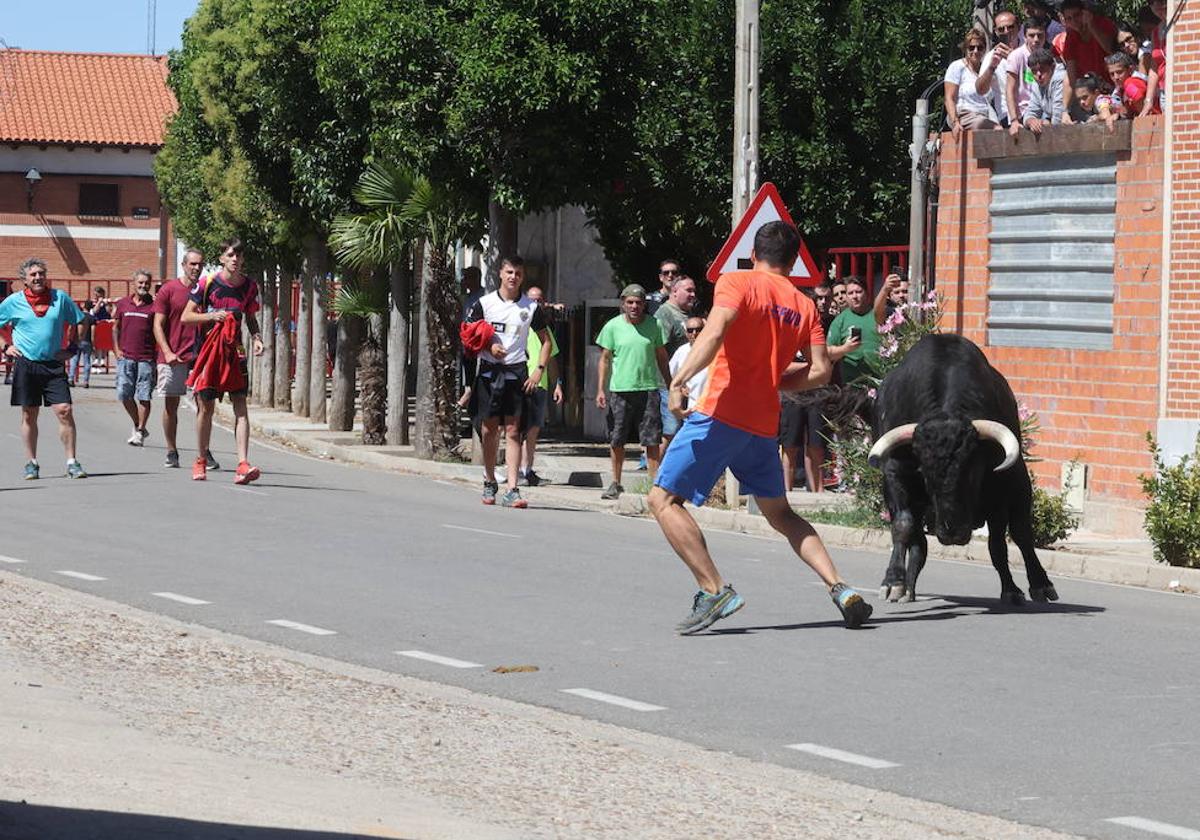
x=1014, y=598
x=1045, y=593
x=894, y=593
x=909, y=596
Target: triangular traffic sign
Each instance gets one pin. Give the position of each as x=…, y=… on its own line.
x=766, y=207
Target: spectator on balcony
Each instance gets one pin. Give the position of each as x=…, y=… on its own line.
x=995, y=62
x=1129, y=92
x=1046, y=99
x=823, y=298
x=1090, y=39
x=1138, y=49
x=838, y=303
x=1083, y=104
x=966, y=108
x=1158, y=53
x=853, y=339
x=1040, y=11
x=1019, y=80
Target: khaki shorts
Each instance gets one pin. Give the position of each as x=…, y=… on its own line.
x=172, y=380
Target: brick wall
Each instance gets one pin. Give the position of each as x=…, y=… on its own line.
x=76, y=258
x=1183, y=335
x=1093, y=405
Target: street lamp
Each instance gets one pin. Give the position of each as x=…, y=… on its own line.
x=31, y=179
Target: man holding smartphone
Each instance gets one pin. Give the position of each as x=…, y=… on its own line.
x=853, y=337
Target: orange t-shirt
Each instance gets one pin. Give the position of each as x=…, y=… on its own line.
x=774, y=321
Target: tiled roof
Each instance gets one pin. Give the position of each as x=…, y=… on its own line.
x=84, y=98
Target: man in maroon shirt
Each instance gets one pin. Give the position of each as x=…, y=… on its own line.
x=133, y=338
x=176, y=347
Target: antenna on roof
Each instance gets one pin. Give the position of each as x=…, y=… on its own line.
x=151, y=24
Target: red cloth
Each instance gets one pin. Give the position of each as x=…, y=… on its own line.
x=476, y=337
x=38, y=302
x=218, y=366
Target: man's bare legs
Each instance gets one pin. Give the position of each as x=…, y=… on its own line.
x=138, y=411
x=789, y=466
x=814, y=460
x=204, y=420
x=170, y=422
x=29, y=430
x=241, y=426
x=512, y=449
x=804, y=539
x=616, y=460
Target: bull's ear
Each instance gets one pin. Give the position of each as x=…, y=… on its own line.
x=888, y=441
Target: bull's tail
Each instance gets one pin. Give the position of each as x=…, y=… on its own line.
x=843, y=406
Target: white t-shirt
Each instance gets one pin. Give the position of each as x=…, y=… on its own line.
x=694, y=385
x=512, y=320
x=968, y=100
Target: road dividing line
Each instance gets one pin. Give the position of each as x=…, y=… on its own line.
x=303, y=628
x=1154, y=827
x=481, y=531
x=79, y=575
x=183, y=599
x=439, y=660
x=240, y=489
x=636, y=705
x=14, y=560
x=842, y=755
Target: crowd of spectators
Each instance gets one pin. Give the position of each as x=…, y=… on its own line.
x=1064, y=63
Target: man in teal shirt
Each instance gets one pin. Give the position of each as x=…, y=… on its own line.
x=39, y=315
x=853, y=340
x=634, y=350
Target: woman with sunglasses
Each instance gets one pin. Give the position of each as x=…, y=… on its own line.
x=966, y=108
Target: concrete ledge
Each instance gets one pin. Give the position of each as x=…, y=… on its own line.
x=1056, y=140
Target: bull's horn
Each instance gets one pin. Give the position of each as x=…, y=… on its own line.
x=888, y=440
x=1003, y=435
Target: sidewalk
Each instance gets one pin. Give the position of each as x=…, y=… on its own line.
x=576, y=473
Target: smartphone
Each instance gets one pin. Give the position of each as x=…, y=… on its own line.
x=856, y=333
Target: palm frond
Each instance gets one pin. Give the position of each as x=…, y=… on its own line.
x=362, y=298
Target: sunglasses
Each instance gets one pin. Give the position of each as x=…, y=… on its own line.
x=35, y=274
x=975, y=48
x=692, y=330
x=1002, y=29
x=668, y=271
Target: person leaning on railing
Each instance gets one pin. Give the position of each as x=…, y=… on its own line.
x=965, y=107
x=1046, y=99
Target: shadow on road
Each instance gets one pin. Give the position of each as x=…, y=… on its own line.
x=19, y=821
x=305, y=487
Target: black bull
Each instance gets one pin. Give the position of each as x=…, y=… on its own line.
x=947, y=439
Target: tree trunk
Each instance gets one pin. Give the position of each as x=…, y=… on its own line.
x=303, y=339
x=502, y=239
x=373, y=380
x=265, y=365
x=283, y=339
x=437, y=387
x=320, y=337
x=423, y=427
x=399, y=327
x=345, y=369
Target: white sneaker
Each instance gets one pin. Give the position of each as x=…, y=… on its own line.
x=136, y=438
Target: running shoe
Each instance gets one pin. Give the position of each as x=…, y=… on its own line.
x=172, y=459
x=136, y=438
x=76, y=470
x=199, y=470
x=490, y=488
x=31, y=471
x=513, y=499
x=145, y=434
x=532, y=479
x=850, y=603
x=614, y=491
x=707, y=608
x=642, y=465
x=246, y=473
x=209, y=461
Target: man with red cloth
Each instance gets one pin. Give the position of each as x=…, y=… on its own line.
x=39, y=317
x=214, y=297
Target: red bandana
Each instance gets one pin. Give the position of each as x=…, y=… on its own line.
x=39, y=303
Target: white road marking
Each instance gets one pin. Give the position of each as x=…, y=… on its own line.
x=1154, y=827
x=636, y=705
x=183, y=599
x=4, y=559
x=842, y=755
x=303, y=628
x=240, y=489
x=1027, y=798
x=439, y=660
x=481, y=531
x=79, y=575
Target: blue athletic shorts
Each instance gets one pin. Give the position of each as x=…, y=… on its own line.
x=702, y=450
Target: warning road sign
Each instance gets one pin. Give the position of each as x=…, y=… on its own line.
x=766, y=207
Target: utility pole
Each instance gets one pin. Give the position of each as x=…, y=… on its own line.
x=918, y=205
x=745, y=142
x=151, y=25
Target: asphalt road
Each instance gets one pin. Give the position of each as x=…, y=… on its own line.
x=1069, y=715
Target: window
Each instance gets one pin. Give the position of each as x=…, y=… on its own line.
x=99, y=200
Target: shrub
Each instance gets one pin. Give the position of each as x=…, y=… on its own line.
x=1053, y=518
x=1173, y=516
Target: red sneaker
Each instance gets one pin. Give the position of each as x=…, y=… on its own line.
x=199, y=469
x=245, y=473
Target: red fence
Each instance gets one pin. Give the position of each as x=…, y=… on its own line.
x=872, y=263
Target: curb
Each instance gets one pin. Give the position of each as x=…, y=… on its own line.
x=1063, y=562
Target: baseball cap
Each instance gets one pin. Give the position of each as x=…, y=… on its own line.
x=633, y=290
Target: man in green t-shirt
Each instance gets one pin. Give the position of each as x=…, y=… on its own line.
x=853, y=340
x=532, y=420
x=634, y=350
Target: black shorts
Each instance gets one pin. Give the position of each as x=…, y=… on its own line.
x=535, y=409
x=801, y=425
x=209, y=394
x=499, y=392
x=39, y=383
x=629, y=410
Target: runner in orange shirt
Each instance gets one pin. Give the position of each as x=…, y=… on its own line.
x=759, y=321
